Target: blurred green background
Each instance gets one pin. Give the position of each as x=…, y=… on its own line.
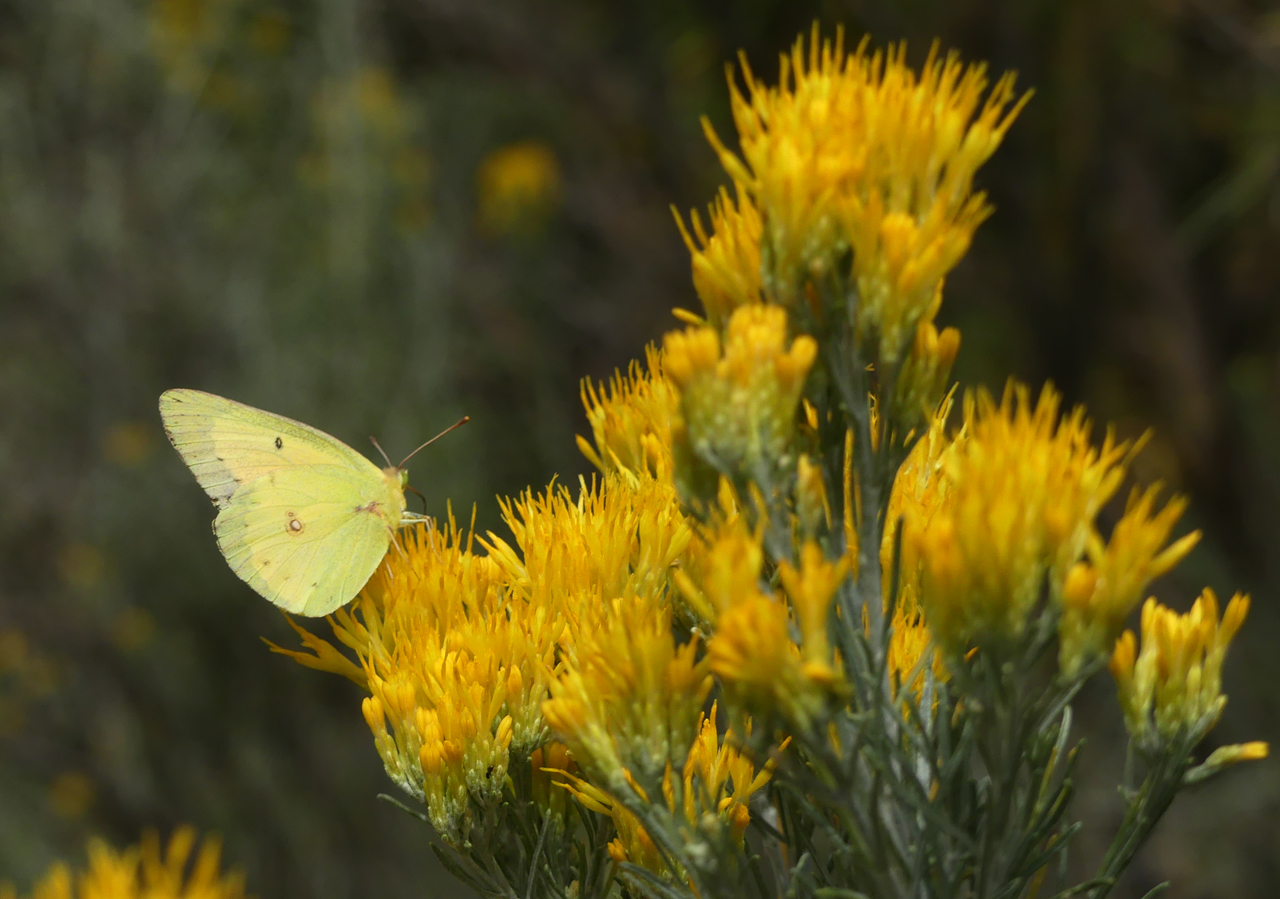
x=375, y=216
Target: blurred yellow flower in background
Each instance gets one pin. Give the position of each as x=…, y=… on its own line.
x=146, y=871
x=71, y=795
x=129, y=443
x=518, y=188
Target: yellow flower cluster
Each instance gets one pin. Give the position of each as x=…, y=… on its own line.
x=857, y=151
x=1010, y=506
x=716, y=780
x=459, y=650
x=1171, y=692
x=143, y=872
x=738, y=395
x=454, y=683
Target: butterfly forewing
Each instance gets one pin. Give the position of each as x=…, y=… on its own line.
x=228, y=444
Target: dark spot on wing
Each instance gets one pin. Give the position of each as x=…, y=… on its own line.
x=294, y=525
x=279, y=443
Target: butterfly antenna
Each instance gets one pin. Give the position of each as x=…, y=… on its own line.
x=374, y=441
x=457, y=424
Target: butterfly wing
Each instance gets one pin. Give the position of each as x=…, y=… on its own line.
x=228, y=444
x=307, y=537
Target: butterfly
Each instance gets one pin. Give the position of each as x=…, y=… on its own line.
x=303, y=518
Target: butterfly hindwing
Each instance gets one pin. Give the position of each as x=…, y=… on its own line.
x=228, y=444
x=307, y=537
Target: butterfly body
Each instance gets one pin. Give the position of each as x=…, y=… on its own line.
x=303, y=518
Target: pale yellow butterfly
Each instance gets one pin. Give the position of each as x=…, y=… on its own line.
x=302, y=518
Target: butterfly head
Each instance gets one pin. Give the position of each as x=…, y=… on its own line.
x=396, y=477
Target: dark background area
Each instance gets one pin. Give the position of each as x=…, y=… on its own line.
x=375, y=216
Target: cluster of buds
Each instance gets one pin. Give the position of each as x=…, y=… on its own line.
x=1171, y=691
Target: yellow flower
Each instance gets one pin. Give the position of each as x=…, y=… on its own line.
x=739, y=401
x=856, y=150
x=631, y=421
x=519, y=185
x=726, y=263
x=752, y=650
x=628, y=698
x=143, y=872
x=1023, y=489
x=632, y=843
x=458, y=650
x=1098, y=595
x=1172, y=690
x=720, y=780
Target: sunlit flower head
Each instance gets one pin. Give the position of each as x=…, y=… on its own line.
x=619, y=536
x=1172, y=690
x=723, y=565
x=146, y=871
x=856, y=150
x=518, y=186
x=811, y=588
